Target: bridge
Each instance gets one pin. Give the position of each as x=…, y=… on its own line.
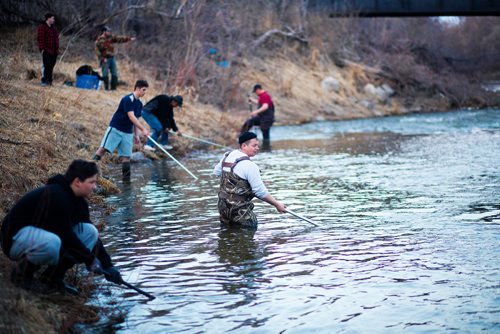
x=380, y=8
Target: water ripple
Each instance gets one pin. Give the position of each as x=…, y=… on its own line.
x=408, y=238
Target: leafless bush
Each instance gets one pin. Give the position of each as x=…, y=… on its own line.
x=176, y=40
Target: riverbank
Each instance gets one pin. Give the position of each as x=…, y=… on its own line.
x=44, y=128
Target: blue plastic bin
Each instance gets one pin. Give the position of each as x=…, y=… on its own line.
x=87, y=81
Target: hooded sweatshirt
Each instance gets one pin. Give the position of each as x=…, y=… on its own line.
x=54, y=208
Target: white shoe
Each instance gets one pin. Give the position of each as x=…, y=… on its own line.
x=149, y=148
x=167, y=147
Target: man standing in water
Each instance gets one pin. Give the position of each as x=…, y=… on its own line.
x=263, y=116
x=240, y=182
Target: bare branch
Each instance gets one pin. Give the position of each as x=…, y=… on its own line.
x=290, y=34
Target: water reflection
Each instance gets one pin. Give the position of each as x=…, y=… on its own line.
x=350, y=143
x=408, y=237
x=243, y=257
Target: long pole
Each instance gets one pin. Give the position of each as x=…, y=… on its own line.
x=200, y=140
x=150, y=296
x=170, y=155
x=294, y=214
x=301, y=217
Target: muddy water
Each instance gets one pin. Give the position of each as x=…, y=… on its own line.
x=409, y=235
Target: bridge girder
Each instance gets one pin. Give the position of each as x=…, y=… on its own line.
x=380, y=8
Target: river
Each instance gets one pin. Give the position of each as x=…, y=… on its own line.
x=408, y=239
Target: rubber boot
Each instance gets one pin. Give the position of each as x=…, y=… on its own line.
x=114, y=82
x=126, y=171
x=246, y=126
x=266, y=145
x=106, y=83
x=22, y=273
x=53, y=276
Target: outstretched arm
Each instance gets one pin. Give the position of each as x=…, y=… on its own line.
x=277, y=204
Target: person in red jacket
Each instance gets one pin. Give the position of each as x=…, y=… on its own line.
x=48, y=44
x=263, y=116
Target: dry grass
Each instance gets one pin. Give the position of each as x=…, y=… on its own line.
x=44, y=129
x=296, y=90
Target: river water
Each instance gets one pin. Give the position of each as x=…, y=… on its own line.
x=408, y=239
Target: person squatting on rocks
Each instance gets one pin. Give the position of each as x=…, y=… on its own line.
x=51, y=226
x=48, y=44
x=106, y=55
x=263, y=116
x=124, y=128
x=159, y=114
x=240, y=182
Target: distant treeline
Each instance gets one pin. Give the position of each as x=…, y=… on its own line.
x=203, y=43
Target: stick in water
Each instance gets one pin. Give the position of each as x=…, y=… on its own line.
x=170, y=155
x=293, y=214
x=150, y=296
x=301, y=217
x=201, y=140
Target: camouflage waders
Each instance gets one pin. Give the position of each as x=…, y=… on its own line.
x=235, y=196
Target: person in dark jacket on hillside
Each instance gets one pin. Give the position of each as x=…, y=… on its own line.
x=48, y=44
x=159, y=114
x=51, y=226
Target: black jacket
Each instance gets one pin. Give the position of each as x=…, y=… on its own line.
x=161, y=107
x=54, y=208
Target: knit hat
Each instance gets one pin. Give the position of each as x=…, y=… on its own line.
x=246, y=136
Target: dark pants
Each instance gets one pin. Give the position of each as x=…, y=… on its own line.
x=49, y=61
x=265, y=127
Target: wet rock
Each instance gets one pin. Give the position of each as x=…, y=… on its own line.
x=367, y=104
x=139, y=157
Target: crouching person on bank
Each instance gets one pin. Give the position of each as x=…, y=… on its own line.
x=51, y=226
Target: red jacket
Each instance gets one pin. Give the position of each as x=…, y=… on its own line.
x=48, y=39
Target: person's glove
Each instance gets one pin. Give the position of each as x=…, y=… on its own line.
x=95, y=267
x=113, y=275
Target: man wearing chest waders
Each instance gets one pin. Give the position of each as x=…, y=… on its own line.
x=240, y=182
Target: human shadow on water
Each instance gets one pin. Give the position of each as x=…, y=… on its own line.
x=244, y=258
